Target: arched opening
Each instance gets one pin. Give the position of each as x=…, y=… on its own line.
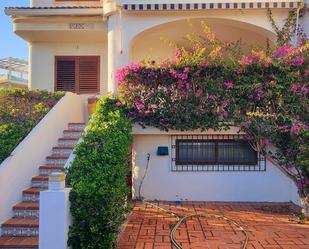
x=152, y=43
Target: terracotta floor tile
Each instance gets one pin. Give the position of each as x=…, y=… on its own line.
x=267, y=224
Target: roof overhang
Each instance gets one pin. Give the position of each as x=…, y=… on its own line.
x=53, y=11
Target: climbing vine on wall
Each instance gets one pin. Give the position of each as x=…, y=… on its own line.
x=290, y=27
x=266, y=94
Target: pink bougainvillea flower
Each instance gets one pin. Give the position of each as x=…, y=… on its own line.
x=188, y=86
x=296, y=61
x=304, y=90
x=266, y=61
x=296, y=127
x=178, y=53
x=267, y=141
x=213, y=97
x=139, y=105
x=118, y=103
x=282, y=52
x=229, y=85
x=249, y=136
x=179, y=84
x=225, y=114
x=294, y=88
x=198, y=92
x=186, y=70
x=226, y=103
x=205, y=64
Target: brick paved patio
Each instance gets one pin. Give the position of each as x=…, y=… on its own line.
x=268, y=225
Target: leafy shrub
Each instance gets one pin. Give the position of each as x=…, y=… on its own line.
x=20, y=111
x=98, y=178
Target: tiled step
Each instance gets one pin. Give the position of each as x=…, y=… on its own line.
x=39, y=182
x=62, y=150
x=72, y=133
x=19, y=242
x=21, y=232
x=67, y=141
x=26, y=210
x=46, y=170
x=77, y=126
x=57, y=159
x=20, y=228
x=32, y=194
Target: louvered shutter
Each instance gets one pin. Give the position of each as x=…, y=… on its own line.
x=88, y=74
x=65, y=74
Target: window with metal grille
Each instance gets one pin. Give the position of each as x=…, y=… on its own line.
x=79, y=74
x=215, y=153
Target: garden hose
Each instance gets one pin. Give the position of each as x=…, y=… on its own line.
x=181, y=220
x=176, y=244
x=143, y=178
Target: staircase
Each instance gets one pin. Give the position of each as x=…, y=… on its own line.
x=22, y=230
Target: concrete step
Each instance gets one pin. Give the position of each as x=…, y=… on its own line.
x=19, y=242
x=72, y=133
x=56, y=160
x=46, y=170
x=76, y=126
x=67, y=141
x=20, y=228
x=32, y=194
x=26, y=210
x=62, y=150
x=39, y=182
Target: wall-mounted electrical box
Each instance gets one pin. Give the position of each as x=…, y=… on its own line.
x=162, y=151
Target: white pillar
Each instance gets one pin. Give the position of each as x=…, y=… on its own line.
x=55, y=217
x=117, y=54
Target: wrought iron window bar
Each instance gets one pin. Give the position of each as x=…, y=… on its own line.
x=214, y=166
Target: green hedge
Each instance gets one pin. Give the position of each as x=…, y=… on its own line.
x=98, y=179
x=20, y=111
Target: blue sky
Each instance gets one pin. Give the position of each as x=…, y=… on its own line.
x=11, y=44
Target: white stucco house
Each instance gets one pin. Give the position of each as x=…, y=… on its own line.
x=77, y=46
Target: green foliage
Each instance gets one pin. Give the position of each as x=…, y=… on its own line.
x=266, y=94
x=20, y=111
x=10, y=136
x=98, y=178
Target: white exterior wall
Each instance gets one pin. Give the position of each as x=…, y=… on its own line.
x=162, y=184
x=55, y=219
x=42, y=61
x=16, y=171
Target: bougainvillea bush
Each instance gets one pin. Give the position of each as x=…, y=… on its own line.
x=20, y=111
x=263, y=92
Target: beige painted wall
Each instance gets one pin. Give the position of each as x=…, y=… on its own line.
x=161, y=183
x=153, y=43
x=42, y=61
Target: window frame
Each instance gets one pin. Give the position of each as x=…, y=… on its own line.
x=217, y=162
x=77, y=67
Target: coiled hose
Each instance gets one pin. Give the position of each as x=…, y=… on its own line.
x=181, y=220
